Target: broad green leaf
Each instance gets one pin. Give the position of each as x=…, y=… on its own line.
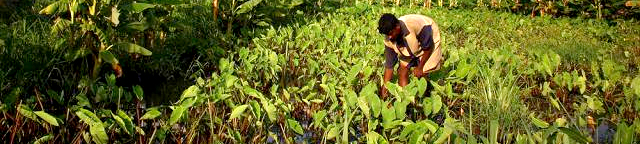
x=351, y=98
x=139, y=7
x=575, y=135
x=333, y=132
x=152, y=114
x=124, y=121
x=635, y=86
x=115, y=15
x=247, y=6
x=407, y=130
x=98, y=134
x=400, y=109
x=373, y=137
x=493, y=131
x=133, y=48
x=443, y=136
x=176, y=114
x=25, y=111
x=106, y=56
x=295, y=126
x=270, y=109
x=319, y=116
x=55, y=7
x=539, y=123
x=87, y=116
x=238, y=111
x=253, y=92
x=437, y=103
x=121, y=123
x=364, y=107
x=44, y=139
x=394, y=89
x=192, y=91
x=47, y=117
x=83, y=100
x=137, y=90
x=137, y=26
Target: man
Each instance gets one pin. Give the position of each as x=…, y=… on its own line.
x=414, y=40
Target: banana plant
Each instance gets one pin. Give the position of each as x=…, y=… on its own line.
x=90, y=27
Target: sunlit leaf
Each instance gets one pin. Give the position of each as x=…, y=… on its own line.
x=133, y=48
x=176, y=114
x=575, y=135
x=115, y=15
x=537, y=122
x=247, y=6
x=25, y=111
x=152, y=114
x=295, y=126
x=137, y=90
x=192, y=91
x=108, y=57
x=98, y=134
x=47, y=117
x=44, y=139
x=238, y=111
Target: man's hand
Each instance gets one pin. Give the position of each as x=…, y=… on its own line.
x=418, y=71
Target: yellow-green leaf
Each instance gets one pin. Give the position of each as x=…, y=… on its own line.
x=134, y=48
x=47, y=117
x=238, y=111
x=152, y=114
x=293, y=124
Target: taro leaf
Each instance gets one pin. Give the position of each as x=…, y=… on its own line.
x=417, y=137
x=400, y=109
x=351, y=98
x=151, y=114
x=87, y=116
x=538, y=122
x=115, y=14
x=635, y=86
x=422, y=86
x=25, y=111
x=108, y=57
x=138, y=7
x=333, y=132
x=319, y=116
x=98, y=134
x=364, y=107
x=124, y=121
x=138, y=26
x=255, y=108
x=247, y=6
x=137, y=90
x=133, y=48
x=229, y=80
x=111, y=80
x=394, y=89
x=408, y=130
x=192, y=91
x=55, y=7
x=238, y=111
x=444, y=135
x=575, y=135
x=176, y=114
x=140, y=130
x=47, y=117
x=253, y=92
x=83, y=100
x=427, y=106
x=437, y=103
x=270, y=109
x=493, y=131
x=295, y=126
x=43, y=139
x=373, y=137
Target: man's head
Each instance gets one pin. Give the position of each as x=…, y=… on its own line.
x=389, y=25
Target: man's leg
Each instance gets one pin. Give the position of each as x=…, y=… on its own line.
x=403, y=75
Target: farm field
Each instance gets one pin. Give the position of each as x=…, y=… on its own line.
x=291, y=71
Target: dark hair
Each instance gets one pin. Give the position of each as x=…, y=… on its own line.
x=387, y=23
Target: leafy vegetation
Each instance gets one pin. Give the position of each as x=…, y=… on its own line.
x=309, y=72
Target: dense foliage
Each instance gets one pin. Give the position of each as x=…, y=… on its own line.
x=296, y=71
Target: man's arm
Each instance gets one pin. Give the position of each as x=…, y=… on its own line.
x=391, y=58
x=426, y=43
